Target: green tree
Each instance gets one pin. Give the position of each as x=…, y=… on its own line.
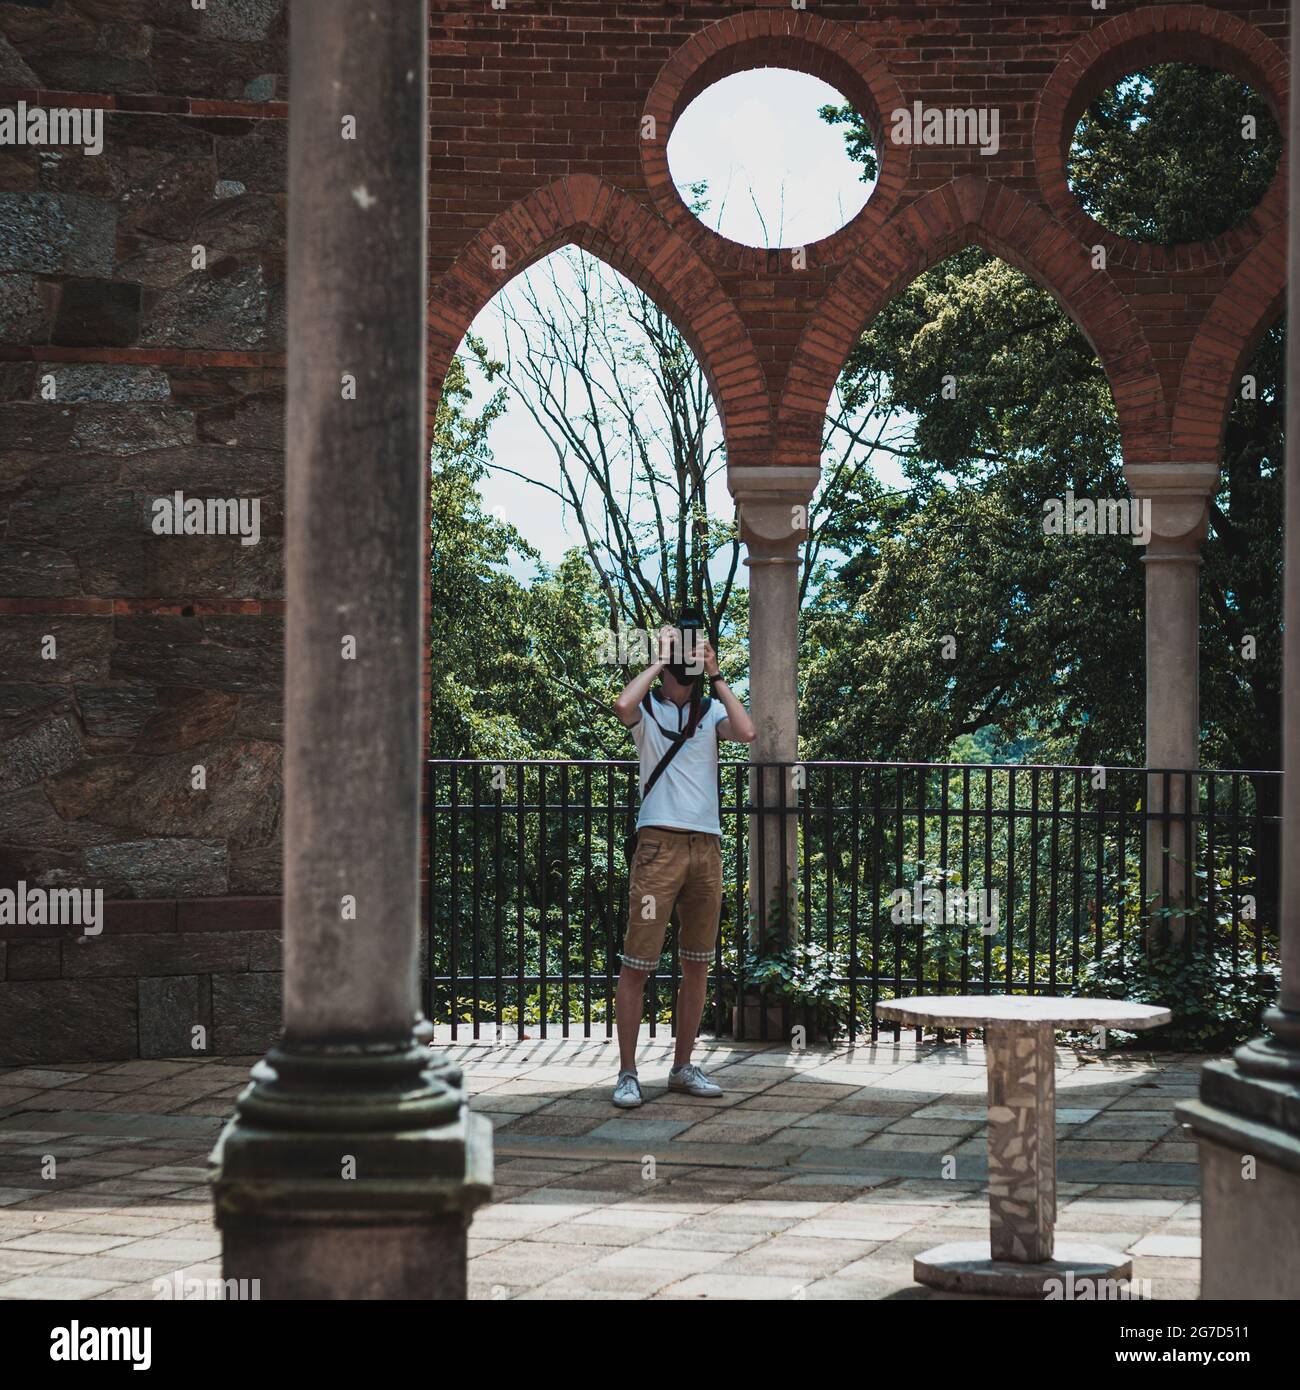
x=476, y=610
x=629, y=416
x=512, y=670
x=1241, y=592
x=1048, y=631
x=1174, y=153
x=942, y=609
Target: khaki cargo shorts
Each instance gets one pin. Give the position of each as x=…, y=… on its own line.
x=673, y=868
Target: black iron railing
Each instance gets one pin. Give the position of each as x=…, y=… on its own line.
x=893, y=878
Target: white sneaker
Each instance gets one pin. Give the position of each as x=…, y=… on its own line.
x=627, y=1094
x=693, y=1081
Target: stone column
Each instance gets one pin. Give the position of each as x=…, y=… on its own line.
x=1021, y=1065
x=772, y=504
x=1178, y=495
x=352, y=1165
x=1247, y=1117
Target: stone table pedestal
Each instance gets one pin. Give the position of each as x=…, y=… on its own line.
x=1021, y=1258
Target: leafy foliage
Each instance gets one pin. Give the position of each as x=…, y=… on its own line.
x=1214, y=1007
x=1165, y=155
x=511, y=671
x=961, y=553
x=858, y=138
x=1241, y=596
x=1048, y=630
x=808, y=979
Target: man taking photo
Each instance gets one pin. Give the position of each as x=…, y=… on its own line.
x=678, y=857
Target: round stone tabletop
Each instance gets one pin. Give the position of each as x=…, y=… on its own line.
x=980, y=1010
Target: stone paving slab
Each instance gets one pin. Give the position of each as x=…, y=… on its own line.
x=31, y=1120
x=818, y=1174
x=903, y=1160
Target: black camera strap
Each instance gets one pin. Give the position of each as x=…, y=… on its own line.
x=679, y=740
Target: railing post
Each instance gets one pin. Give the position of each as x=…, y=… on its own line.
x=352, y=1164
x=1247, y=1117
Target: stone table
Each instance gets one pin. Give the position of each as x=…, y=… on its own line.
x=1021, y=1257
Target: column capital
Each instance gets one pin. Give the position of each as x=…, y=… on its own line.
x=772, y=508
x=1179, y=494
x=1148, y=479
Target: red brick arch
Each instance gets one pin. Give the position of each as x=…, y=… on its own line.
x=783, y=38
x=585, y=211
x=1136, y=39
x=964, y=212
x=1229, y=334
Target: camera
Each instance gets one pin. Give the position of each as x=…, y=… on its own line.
x=689, y=667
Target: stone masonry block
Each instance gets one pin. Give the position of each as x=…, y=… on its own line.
x=170, y=953
x=33, y=960
x=171, y=1007
x=52, y=1020
x=246, y=1012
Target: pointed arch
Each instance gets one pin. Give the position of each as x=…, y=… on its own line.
x=588, y=212
x=1241, y=314
x=974, y=211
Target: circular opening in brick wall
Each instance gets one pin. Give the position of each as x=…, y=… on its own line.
x=1173, y=153
x=772, y=157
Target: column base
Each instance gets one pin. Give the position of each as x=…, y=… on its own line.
x=351, y=1172
x=783, y=1018
x=1080, y=1272
x=1247, y=1127
x=327, y=1257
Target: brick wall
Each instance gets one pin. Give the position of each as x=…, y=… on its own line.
x=537, y=135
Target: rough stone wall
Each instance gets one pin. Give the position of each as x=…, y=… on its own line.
x=128, y=371
x=158, y=972
x=125, y=375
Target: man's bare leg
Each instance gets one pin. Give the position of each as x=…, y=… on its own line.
x=628, y=1003
x=690, y=1008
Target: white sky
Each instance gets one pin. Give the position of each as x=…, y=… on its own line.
x=758, y=142
x=756, y=131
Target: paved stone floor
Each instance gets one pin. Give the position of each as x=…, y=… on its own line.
x=819, y=1174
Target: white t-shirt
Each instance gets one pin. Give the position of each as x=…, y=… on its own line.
x=686, y=795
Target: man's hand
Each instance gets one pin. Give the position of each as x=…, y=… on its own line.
x=704, y=652
x=736, y=723
x=628, y=705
